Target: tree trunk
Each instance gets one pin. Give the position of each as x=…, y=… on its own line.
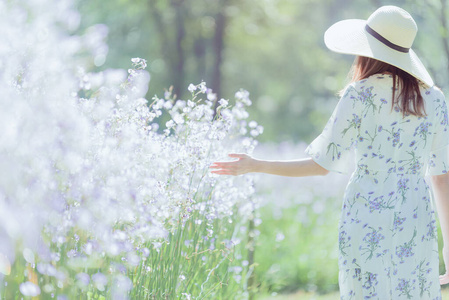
x=217, y=46
x=200, y=55
x=178, y=71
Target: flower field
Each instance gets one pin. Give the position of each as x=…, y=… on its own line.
x=106, y=194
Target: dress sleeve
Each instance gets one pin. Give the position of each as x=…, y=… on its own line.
x=438, y=160
x=332, y=149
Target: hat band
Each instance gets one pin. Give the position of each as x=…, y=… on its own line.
x=385, y=41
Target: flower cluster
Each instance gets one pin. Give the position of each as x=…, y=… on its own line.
x=89, y=166
x=403, y=184
x=405, y=287
x=432, y=231
x=398, y=221
x=422, y=130
x=373, y=237
x=372, y=242
x=343, y=241
x=406, y=250
x=370, y=282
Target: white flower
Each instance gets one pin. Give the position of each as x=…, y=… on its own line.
x=187, y=296
x=179, y=119
x=192, y=88
x=170, y=124
x=29, y=289
x=252, y=124
x=211, y=96
x=280, y=237
x=203, y=87
x=139, y=63
x=226, y=114
x=223, y=102
x=190, y=103
x=100, y=281
x=243, y=96
x=254, y=132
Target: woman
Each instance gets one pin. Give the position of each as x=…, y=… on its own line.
x=387, y=231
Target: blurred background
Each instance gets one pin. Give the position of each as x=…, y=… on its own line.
x=272, y=48
x=275, y=50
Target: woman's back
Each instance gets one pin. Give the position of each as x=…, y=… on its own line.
x=387, y=232
x=387, y=141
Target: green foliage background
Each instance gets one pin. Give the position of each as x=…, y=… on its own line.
x=272, y=48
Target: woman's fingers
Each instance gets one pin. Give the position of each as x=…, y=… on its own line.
x=236, y=167
x=237, y=155
x=218, y=165
x=222, y=172
x=215, y=166
x=444, y=279
x=223, y=168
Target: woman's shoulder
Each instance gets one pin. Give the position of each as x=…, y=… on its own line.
x=432, y=92
x=376, y=80
x=370, y=84
x=385, y=81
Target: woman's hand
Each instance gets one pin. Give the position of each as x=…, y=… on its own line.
x=243, y=165
x=440, y=186
x=444, y=279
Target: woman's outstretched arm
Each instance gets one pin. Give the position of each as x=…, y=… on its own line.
x=440, y=184
x=247, y=164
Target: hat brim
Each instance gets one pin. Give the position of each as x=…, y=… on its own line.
x=350, y=37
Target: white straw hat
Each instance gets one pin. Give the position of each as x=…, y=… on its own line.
x=387, y=35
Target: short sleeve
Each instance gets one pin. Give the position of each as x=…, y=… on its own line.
x=438, y=160
x=332, y=149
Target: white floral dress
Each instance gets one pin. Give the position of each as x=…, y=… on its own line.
x=387, y=231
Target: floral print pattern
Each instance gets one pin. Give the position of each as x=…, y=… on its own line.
x=387, y=231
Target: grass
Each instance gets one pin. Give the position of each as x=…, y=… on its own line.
x=201, y=257
x=294, y=254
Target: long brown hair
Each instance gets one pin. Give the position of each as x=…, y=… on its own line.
x=409, y=100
